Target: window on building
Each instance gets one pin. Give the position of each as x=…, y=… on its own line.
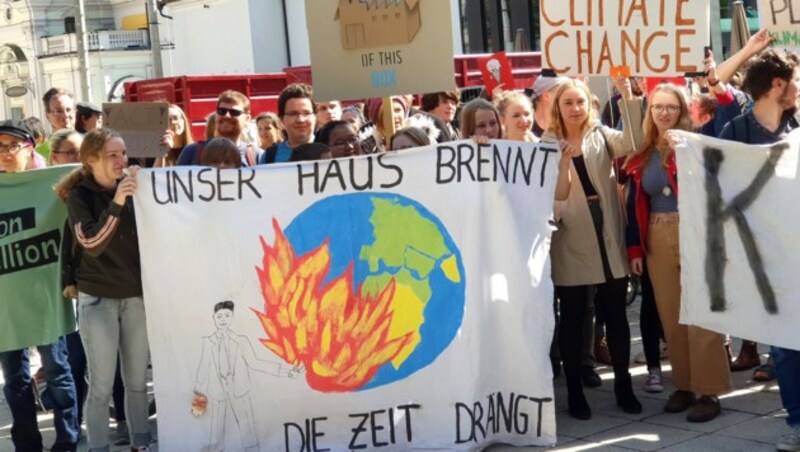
x=489, y=26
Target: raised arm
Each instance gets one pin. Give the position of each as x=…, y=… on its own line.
x=629, y=140
x=754, y=46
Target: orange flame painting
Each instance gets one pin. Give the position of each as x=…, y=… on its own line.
x=339, y=335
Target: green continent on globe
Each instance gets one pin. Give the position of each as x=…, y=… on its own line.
x=407, y=247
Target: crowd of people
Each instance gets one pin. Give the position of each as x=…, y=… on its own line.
x=615, y=214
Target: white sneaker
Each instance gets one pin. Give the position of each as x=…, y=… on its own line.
x=654, y=382
x=790, y=442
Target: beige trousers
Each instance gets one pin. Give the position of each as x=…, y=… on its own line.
x=698, y=358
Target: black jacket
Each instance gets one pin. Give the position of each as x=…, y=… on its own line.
x=106, y=233
x=70, y=257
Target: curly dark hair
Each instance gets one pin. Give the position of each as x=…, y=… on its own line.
x=765, y=68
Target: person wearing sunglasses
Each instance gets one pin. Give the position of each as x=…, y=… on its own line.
x=297, y=111
x=232, y=117
x=17, y=155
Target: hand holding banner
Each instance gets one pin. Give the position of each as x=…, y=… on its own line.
x=737, y=236
x=388, y=300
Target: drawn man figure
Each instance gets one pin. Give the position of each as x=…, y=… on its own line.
x=224, y=378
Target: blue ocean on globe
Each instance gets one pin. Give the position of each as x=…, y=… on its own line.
x=388, y=236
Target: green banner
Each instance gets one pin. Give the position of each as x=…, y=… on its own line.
x=32, y=308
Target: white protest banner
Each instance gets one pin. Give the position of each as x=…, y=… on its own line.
x=630, y=37
x=739, y=238
x=782, y=19
x=394, y=301
x=141, y=124
x=379, y=48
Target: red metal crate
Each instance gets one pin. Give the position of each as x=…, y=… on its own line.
x=197, y=95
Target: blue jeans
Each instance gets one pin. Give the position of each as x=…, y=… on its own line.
x=77, y=362
x=18, y=391
x=112, y=326
x=787, y=370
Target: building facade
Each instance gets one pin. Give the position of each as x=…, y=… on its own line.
x=39, y=50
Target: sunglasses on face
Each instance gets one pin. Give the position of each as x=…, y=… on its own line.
x=232, y=112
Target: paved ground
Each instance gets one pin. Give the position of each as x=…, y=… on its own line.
x=752, y=419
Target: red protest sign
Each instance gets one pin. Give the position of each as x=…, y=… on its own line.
x=496, y=69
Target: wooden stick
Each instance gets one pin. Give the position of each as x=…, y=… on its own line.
x=388, y=120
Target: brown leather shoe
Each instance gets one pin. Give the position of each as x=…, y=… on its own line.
x=704, y=410
x=601, y=352
x=679, y=401
x=748, y=357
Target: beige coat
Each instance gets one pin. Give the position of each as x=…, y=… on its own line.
x=574, y=252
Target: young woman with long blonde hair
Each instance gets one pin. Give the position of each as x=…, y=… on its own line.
x=588, y=248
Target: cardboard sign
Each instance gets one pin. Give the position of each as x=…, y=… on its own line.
x=782, y=19
x=737, y=236
x=141, y=124
x=387, y=302
x=635, y=37
x=377, y=48
x=496, y=70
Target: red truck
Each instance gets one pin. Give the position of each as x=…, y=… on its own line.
x=197, y=94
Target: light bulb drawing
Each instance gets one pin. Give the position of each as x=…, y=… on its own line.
x=494, y=68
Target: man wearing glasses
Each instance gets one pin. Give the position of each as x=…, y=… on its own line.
x=233, y=115
x=59, y=108
x=297, y=110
